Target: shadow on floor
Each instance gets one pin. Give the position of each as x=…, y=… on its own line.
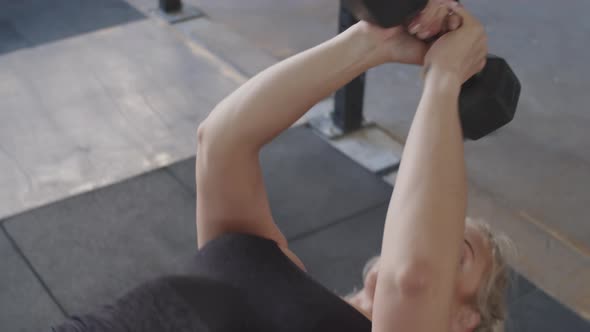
x=28, y=23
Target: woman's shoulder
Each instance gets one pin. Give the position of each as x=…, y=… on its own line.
x=234, y=240
x=243, y=244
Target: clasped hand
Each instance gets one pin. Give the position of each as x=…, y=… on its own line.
x=460, y=51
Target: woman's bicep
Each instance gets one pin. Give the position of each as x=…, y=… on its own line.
x=231, y=196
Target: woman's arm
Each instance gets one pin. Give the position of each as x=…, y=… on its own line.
x=425, y=222
x=274, y=99
x=230, y=191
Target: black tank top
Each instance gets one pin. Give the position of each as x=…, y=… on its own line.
x=237, y=282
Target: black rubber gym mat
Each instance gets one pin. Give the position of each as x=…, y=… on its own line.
x=34, y=22
x=88, y=249
x=309, y=183
x=25, y=304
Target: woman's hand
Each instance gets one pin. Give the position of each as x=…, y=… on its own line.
x=434, y=19
x=404, y=44
x=460, y=53
x=393, y=44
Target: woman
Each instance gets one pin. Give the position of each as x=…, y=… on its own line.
x=435, y=272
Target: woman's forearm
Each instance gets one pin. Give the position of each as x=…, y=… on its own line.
x=425, y=221
x=275, y=98
x=427, y=210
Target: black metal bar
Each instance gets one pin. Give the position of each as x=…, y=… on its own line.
x=170, y=6
x=348, y=101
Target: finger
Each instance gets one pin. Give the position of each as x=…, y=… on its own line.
x=417, y=24
x=414, y=29
x=413, y=23
x=454, y=21
x=438, y=20
x=445, y=25
x=458, y=9
x=428, y=13
x=424, y=34
x=426, y=18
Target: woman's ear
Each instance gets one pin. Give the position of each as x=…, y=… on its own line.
x=471, y=320
x=370, y=283
x=466, y=320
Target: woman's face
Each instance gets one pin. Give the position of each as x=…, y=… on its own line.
x=473, y=266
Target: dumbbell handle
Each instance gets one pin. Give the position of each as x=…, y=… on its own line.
x=386, y=14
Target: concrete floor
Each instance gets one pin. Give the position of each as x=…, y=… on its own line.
x=86, y=105
x=533, y=175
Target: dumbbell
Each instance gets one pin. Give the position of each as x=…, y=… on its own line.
x=488, y=100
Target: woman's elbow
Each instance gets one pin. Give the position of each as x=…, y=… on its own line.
x=201, y=133
x=207, y=127
x=411, y=280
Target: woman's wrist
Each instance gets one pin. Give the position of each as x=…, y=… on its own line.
x=441, y=80
x=364, y=45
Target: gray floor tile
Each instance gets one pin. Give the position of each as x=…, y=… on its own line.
x=537, y=312
x=309, y=183
x=550, y=186
x=519, y=287
x=93, y=247
x=99, y=111
x=280, y=28
x=184, y=171
x=336, y=256
x=24, y=303
x=10, y=39
x=228, y=45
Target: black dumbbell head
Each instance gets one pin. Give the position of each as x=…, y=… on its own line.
x=488, y=100
x=386, y=14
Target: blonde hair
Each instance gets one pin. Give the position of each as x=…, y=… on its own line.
x=490, y=300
